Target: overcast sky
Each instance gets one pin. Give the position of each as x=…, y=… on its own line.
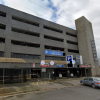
x=63, y=12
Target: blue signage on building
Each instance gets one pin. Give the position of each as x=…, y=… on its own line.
x=53, y=53
x=74, y=65
x=46, y=51
x=69, y=58
x=60, y=65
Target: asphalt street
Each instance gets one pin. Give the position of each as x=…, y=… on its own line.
x=68, y=93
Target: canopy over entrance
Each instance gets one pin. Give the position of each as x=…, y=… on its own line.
x=12, y=60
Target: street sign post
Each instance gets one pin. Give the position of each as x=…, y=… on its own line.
x=69, y=57
x=73, y=62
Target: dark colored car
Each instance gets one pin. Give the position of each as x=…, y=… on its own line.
x=91, y=81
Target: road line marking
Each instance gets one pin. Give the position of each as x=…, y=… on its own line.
x=48, y=82
x=45, y=82
x=33, y=83
x=37, y=83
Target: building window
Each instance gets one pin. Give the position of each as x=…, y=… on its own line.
x=1, y=54
x=2, y=40
x=55, y=58
x=74, y=51
x=25, y=21
x=70, y=34
x=3, y=14
x=25, y=44
x=25, y=32
x=2, y=26
x=27, y=56
x=71, y=42
x=54, y=48
x=53, y=29
x=53, y=38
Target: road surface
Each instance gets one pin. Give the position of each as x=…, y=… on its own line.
x=68, y=93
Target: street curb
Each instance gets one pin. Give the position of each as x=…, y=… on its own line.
x=10, y=94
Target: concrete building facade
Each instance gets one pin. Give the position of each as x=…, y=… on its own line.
x=24, y=39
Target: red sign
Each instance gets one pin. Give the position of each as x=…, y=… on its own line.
x=82, y=66
x=44, y=65
x=85, y=66
x=88, y=66
x=33, y=64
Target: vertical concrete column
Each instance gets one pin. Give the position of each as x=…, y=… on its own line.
x=8, y=36
x=65, y=43
x=3, y=75
x=65, y=46
x=42, y=47
x=22, y=74
x=27, y=75
x=42, y=43
x=30, y=73
x=7, y=48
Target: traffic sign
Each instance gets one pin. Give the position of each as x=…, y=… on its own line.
x=69, y=57
x=42, y=62
x=73, y=62
x=52, y=63
x=74, y=65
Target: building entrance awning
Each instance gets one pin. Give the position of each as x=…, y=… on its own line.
x=11, y=60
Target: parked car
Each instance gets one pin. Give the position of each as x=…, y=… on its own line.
x=91, y=81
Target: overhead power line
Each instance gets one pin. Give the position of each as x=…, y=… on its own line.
x=49, y=10
x=36, y=12
x=44, y=15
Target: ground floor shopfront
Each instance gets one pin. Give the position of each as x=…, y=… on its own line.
x=23, y=72
x=60, y=72
x=13, y=75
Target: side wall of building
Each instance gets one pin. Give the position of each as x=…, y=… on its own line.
x=85, y=34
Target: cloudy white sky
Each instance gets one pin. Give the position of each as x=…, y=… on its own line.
x=63, y=12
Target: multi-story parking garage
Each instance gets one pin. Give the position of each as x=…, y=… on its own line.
x=25, y=40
